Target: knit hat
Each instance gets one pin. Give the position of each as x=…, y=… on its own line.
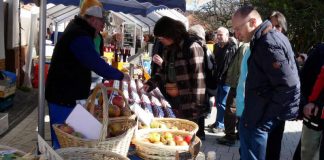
x=197, y=30
x=91, y=8
x=168, y=27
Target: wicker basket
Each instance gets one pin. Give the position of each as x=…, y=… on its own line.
x=88, y=154
x=181, y=124
x=147, y=150
x=16, y=151
x=119, y=144
x=90, y=104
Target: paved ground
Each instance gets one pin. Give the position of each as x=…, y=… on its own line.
x=23, y=137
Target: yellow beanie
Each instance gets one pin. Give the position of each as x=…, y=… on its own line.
x=87, y=4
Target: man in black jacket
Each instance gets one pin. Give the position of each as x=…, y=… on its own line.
x=224, y=52
x=272, y=87
x=74, y=57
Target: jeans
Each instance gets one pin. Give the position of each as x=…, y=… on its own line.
x=274, y=141
x=310, y=143
x=58, y=115
x=222, y=92
x=253, y=142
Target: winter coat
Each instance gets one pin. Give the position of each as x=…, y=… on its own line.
x=189, y=78
x=272, y=88
x=223, y=58
x=233, y=72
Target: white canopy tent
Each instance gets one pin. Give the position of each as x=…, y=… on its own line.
x=59, y=16
x=61, y=13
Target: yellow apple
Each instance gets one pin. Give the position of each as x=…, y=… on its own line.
x=155, y=124
x=167, y=135
x=174, y=128
x=171, y=143
x=154, y=137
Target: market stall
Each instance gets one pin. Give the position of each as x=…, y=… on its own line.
x=147, y=107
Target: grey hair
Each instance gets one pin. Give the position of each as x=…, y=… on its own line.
x=223, y=30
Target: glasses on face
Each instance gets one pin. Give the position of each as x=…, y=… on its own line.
x=160, y=38
x=239, y=27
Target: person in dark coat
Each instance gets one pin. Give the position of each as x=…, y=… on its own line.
x=272, y=88
x=74, y=57
x=181, y=71
x=279, y=23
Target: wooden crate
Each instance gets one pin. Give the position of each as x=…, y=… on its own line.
x=7, y=91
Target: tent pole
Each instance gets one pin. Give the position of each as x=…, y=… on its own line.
x=27, y=81
x=41, y=94
x=56, y=33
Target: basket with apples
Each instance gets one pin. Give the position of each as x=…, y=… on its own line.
x=118, y=107
x=172, y=124
x=161, y=144
x=115, y=134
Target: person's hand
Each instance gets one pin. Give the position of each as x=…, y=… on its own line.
x=145, y=87
x=308, y=108
x=126, y=77
x=158, y=60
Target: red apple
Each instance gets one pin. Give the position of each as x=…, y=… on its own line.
x=118, y=101
x=114, y=111
x=182, y=143
x=178, y=139
x=188, y=138
x=66, y=128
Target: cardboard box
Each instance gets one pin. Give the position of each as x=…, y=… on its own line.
x=4, y=124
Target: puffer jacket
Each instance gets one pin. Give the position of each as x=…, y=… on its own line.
x=272, y=89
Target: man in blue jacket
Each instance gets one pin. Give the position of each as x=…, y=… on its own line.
x=74, y=57
x=272, y=86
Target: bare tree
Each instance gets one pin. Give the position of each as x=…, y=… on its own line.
x=218, y=12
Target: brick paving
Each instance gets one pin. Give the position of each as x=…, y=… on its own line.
x=24, y=137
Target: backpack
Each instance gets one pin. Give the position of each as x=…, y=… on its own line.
x=208, y=72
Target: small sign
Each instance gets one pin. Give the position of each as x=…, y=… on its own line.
x=83, y=122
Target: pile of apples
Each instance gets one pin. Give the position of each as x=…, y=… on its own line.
x=162, y=125
x=118, y=108
x=168, y=138
x=69, y=130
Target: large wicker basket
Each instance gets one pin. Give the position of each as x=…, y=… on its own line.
x=16, y=151
x=147, y=150
x=181, y=124
x=119, y=144
x=90, y=104
x=74, y=153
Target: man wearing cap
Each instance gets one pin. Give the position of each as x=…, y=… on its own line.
x=74, y=57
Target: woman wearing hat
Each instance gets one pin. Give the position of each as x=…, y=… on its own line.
x=181, y=71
